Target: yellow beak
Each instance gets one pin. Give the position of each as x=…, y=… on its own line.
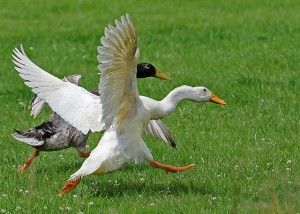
x=217, y=100
x=160, y=75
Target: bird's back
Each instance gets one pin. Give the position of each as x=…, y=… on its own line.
x=53, y=134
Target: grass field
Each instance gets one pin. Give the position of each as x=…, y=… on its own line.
x=247, y=153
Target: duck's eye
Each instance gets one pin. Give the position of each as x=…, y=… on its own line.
x=147, y=67
x=204, y=90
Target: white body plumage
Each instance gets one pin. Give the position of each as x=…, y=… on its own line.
x=118, y=146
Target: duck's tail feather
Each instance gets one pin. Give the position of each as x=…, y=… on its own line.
x=27, y=137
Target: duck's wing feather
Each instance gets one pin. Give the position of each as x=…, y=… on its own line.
x=37, y=104
x=118, y=56
x=158, y=129
x=73, y=103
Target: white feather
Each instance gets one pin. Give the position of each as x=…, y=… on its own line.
x=37, y=104
x=118, y=71
x=73, y=103
x=121, y=105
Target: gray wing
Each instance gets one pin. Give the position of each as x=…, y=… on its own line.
x=158, y=129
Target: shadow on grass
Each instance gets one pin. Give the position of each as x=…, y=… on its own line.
x=170, y=185
x=106, y=186
x=174, y=188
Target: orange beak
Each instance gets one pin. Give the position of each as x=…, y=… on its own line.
x=160, y=75
x=217, y=100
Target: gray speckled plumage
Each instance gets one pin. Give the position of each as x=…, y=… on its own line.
x=55, y=133
x=52, y=135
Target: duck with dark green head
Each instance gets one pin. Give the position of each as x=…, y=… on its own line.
x=146, y=69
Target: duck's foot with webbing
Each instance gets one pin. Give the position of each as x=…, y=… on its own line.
x=68, y=187
x=170, y=168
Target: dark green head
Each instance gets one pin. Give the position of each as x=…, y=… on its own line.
x=148, y=70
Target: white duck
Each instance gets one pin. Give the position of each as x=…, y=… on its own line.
x=121, y=111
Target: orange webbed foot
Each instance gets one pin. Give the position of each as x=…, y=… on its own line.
x=22, y=168
x=68, y=187
x=170, y=168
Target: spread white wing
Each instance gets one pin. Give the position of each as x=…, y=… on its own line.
x=37, y=104
x=73, y=103
x=119, y=57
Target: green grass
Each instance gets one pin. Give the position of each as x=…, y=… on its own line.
x=247, y=153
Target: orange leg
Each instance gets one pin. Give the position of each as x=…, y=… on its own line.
x=170, y=168
x=28, y=162
x=68, y=187
x=84, y=154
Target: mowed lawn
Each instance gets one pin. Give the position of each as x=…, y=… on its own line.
x=246, y=153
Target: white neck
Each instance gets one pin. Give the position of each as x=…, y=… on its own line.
x=161, y=109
